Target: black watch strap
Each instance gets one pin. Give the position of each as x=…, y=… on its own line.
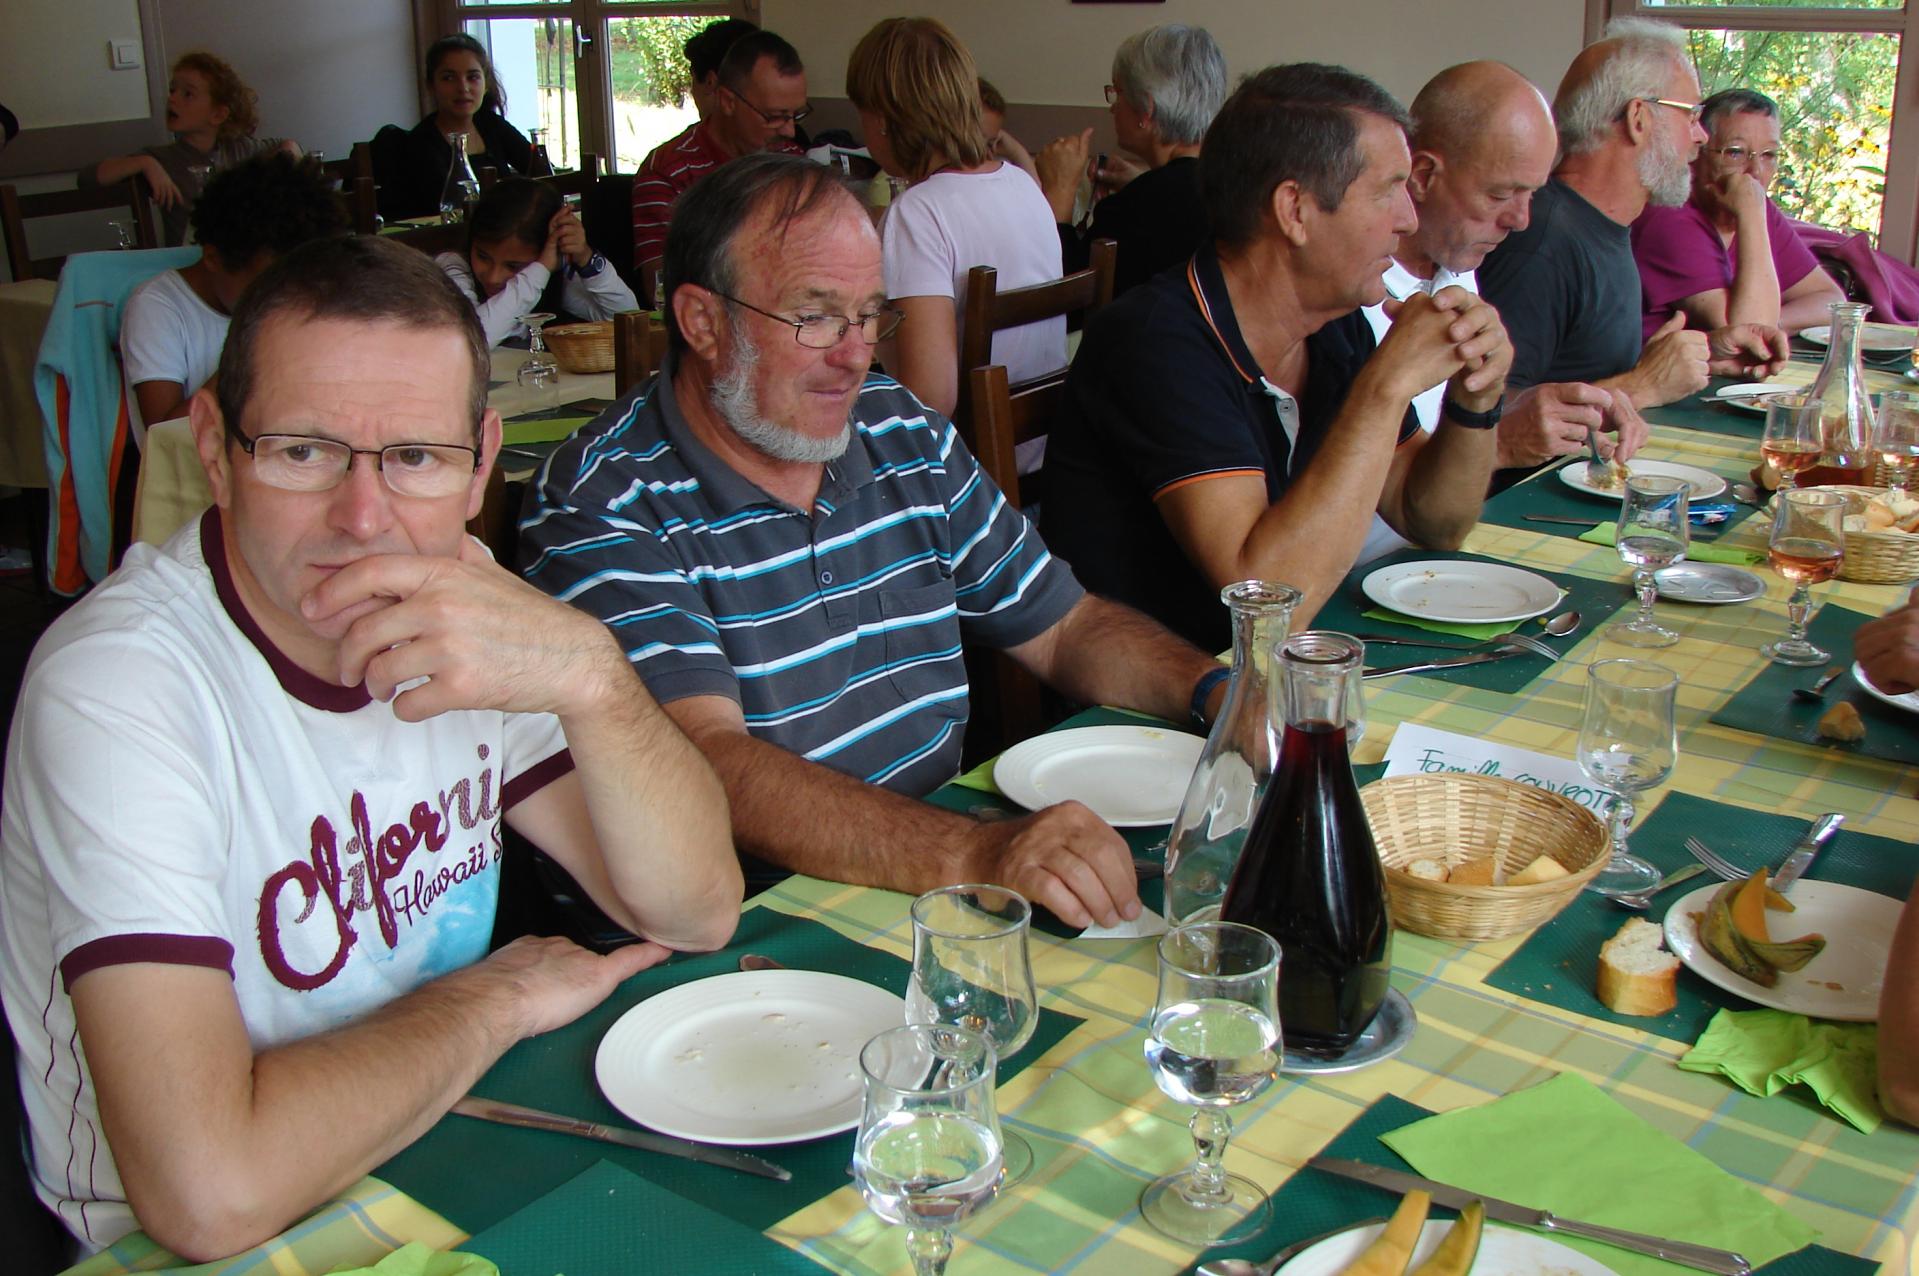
x=1458, y=415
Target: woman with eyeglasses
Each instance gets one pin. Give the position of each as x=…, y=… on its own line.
x=1692, y=258
x=917, y=92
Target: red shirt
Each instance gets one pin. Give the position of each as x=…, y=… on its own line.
x=666, y=173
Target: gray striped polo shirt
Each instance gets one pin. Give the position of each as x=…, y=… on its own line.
x=838, y=630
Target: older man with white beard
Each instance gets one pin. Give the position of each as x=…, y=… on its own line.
x=1566, y=286
x=790, y=552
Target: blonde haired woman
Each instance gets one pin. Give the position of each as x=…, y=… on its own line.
x=917, y=92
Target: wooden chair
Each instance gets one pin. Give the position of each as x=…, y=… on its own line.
x=576, y=181
x=433, y=240
x=361, y=197
x=16, y=210
x=498, y=522
x=988, y=310
x=638, y=350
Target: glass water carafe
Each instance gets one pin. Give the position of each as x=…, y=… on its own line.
x=1845, y=406
x=461, y=190
x=1236, y=762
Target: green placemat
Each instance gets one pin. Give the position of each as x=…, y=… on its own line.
x=476, y=1173
x=1595, y=600
x=1558, y=964
x=1766, y=705
x=608, y=1221
x=541, y=429
x=1313, y=1201
x=1544, y=493
x=1700, y=412
x=1699, y=551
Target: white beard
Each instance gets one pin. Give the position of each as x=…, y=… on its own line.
x=1664, y=172
x=738, y=404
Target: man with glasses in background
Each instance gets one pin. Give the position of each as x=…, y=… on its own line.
x=756, y=106
x=791, y=551
x=250, y=838
x=1566, y=286
x=1692, y=256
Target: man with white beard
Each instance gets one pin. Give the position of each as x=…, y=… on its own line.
x=790, y=552
x=1566, y=286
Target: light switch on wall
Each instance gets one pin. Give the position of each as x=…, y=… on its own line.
x=123, y=55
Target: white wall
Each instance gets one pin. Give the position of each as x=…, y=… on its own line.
x=54, y=68
x=1054, y=52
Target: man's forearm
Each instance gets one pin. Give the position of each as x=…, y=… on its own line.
x=1104, y=653
x=1446, y=485
x=1754, y=296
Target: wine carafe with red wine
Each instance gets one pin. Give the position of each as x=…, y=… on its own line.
x=1310, y=874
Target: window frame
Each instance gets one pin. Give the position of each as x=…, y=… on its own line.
x=1899, y=213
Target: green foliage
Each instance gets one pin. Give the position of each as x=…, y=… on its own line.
x=1834, y=92
x=648, y=65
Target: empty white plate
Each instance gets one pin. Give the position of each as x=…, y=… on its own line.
x=1131, y=777
x=750, y=1058
x=1455, y=591
x=1874, y=338
x=1842, y=982
x=1704, y=483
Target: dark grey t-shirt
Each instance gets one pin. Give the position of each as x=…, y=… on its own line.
x=1567, y=290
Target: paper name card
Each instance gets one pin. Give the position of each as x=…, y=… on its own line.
x=1422, y=750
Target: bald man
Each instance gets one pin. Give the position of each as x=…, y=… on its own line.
x=1567, y=287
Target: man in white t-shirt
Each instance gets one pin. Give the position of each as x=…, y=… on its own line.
x=250, y=836
x=174, y=324
x=1482, y=142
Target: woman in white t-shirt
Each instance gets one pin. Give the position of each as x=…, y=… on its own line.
x=917, y=92
x=174, y=325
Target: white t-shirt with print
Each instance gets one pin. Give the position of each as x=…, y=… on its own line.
x=168, y=334
x=178, y=791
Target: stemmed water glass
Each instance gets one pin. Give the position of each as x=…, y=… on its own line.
x=123, y=238
x=1794, y=437
x=1654, y=529
x=541, y=370
x=973, y=968
x=1214, y=1044
x=1895, y=437
x=1628, y=743
x=1808, y=542
x=928, y=1151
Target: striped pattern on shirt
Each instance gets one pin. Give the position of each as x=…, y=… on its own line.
x=837, y=630
x=665, y=174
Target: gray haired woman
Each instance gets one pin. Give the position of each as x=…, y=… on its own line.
x=1168, y=83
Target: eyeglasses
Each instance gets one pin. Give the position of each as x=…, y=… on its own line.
x=823, y=332
x=775, y=118
x=306, y=463
x=1737, y=154
x=1690, y=108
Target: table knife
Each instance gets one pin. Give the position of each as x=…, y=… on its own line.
x=1803, y=854
x=1560, y=518
x=1705, y=1258
x=534, y=1119
x=1424, y=666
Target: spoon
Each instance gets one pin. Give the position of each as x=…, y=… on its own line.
x=1562, y=624
x=1638, y=901
x=1240, y=1267
x=1817, y=691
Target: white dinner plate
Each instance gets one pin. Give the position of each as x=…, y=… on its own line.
x=1840, y=983
x=1704, y=482
x=1455, y=591
x=1874, y=338
x=1909, y=701
x=1750, y=396
x=749, y=1058
x=1131, y=777
x=1503, y=1251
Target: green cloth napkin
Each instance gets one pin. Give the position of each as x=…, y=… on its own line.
x=1764, y=1051
x=1696, y=551
x=1478, y=632
x=1565, y=1146
x=540, y=430
x=980, y=778
x=415, y=1259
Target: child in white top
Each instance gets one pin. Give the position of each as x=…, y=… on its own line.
x=527, y=252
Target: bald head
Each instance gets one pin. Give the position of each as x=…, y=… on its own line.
x=1478, y=104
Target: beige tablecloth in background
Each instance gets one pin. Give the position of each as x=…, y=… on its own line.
x=24, y=308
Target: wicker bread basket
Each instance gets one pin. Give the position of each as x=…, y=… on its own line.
x=1876, y=558
x=581, y=347
x=1453, y=818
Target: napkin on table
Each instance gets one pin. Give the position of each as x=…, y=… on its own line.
x=416, y=1259
x=1697, y=551
x=1764, y=1051
x=1479, y=631
x=1565, y=1146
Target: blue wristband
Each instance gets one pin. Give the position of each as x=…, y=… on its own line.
x=1204, y=689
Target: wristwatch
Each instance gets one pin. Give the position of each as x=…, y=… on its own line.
x=1204, y=689
x=1458, y=415
x=592, y=268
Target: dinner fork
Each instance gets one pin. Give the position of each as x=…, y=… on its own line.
x=1713, y=860
x=1513, y=639
x=1598, y=470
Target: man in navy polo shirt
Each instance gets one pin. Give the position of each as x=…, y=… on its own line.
x=1232, y=419
x=790, y=551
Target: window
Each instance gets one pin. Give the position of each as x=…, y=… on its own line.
x=1835, y=69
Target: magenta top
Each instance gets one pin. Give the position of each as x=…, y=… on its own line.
x=1679, y=253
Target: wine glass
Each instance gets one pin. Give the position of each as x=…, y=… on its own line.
x=1214, y=1043
x=973, y=968
x=123, y=238
x=1654, y=528
x=1628, y=743
x=1794, y=437
x=1895, y=437
x=928, y=1151
x=1808, y=541
x=541, y=370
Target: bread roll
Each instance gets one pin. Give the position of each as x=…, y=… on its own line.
x=1543, y=869
x=1477, y=872
x=1427, y=870
x=1636, y=976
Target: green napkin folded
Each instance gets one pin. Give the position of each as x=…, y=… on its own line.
x=981, y=776
x=1697, y=551
x=540, y=430
x=1764, y=1051
x=1478, y=632
x=1564, y=1146
x=415, y=1259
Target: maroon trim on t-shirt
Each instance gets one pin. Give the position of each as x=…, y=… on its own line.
x=168, y=950
x=314, y=692
x=534, y=778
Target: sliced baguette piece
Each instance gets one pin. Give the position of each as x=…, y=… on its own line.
x=1429, y=869
x=1544, y=868
x=1636, y=976
x=1479, y=872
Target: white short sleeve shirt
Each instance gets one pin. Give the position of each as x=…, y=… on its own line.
x=168, y=334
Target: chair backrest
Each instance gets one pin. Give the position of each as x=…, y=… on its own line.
x=988, y=310
x=606, y=211
x=433, y=240
x=387, y=156
x=361, y=197
x=576, y=181
x=637, y=349
x=16, y=210
x=1005, y=416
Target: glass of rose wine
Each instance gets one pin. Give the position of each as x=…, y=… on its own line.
x=1808, y=542
x=1895, y=437
x=1794, y=436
